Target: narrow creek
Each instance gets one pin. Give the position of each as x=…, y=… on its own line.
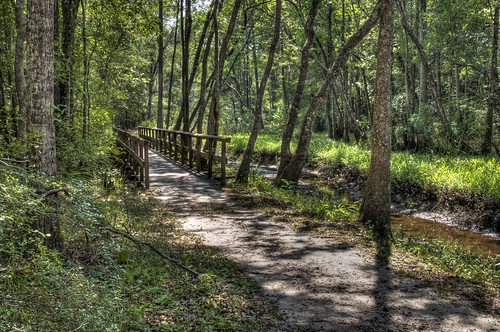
x=484, y=245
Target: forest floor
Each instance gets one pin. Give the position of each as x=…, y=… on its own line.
x=317, y=284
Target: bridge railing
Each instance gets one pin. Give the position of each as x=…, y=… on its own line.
x=136, y=149
x=198, y=151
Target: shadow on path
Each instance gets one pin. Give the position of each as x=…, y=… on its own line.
x=316, y=286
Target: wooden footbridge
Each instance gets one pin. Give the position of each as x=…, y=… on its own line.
x=205, y=154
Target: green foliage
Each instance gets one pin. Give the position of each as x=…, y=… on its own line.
x=44, y=290
x=103, y=282
x=318, y=202
x=470, y=180
x=19, y=206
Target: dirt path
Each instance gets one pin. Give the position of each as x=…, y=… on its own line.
x=316, y=286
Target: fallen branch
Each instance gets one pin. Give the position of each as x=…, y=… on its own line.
x=54, y=192
x=150, y=246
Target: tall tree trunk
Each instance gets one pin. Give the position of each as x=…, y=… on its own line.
x=19, y=71
x=40, y=60
x=244, y=169
x=159, y=115
x=286, y=153
x=375, y=208
x=422, y=7
x=153, y=67
x=40, y=92
x=293, y=170
x=186, y=23
x=63, y=99
x=220, y=59
x=86, y=74
x=171, y=74
x=493, y=98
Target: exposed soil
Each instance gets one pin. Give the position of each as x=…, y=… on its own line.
x=317, y=284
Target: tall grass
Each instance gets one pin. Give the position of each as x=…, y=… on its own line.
x=473, y=177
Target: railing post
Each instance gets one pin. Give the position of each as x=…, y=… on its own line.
x=210, y=158
x=223, y=162
x=183, y=148
x=198, y=153
x=190, y=151
x=146, y=165
x=176, y=147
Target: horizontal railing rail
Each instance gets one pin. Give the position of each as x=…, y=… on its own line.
x=137, y=150
x=197, y=151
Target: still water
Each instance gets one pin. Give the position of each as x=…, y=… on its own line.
x=482, y=244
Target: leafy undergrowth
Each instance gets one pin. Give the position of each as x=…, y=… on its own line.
x=444, y=264
x=108, y=277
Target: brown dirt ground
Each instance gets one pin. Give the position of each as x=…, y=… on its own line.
x=316, y=285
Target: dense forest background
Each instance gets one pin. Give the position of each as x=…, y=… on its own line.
x=315, y=80
x=213, y=57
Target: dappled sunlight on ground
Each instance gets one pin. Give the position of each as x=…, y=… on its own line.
x=316, y=285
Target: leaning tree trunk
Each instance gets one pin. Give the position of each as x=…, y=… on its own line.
x=286, y=154
x=375, y=207
x=291, y=172
x=244, y=169
x=493, y=98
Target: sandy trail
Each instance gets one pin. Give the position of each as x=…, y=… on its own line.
x=316, y=286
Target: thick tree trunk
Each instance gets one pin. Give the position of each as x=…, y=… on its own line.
x=493, y=98
x=291, y=172
x=40, y=60
x=244, y=169
x=286, y=154
x=375, y=208
x=40, y=92
x=63, y=93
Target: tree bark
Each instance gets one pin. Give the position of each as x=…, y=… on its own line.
x=19, y=71
x=422, y=7
x=220, y=59
x=63, y=99
x=159, y=115
x=40, y=61
x=40, y=92
x=244, y=169
x=286, y=154
x=375, y=208
x=493, y=97
x=171, y=74
x=186, y=24
x=291, y=172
